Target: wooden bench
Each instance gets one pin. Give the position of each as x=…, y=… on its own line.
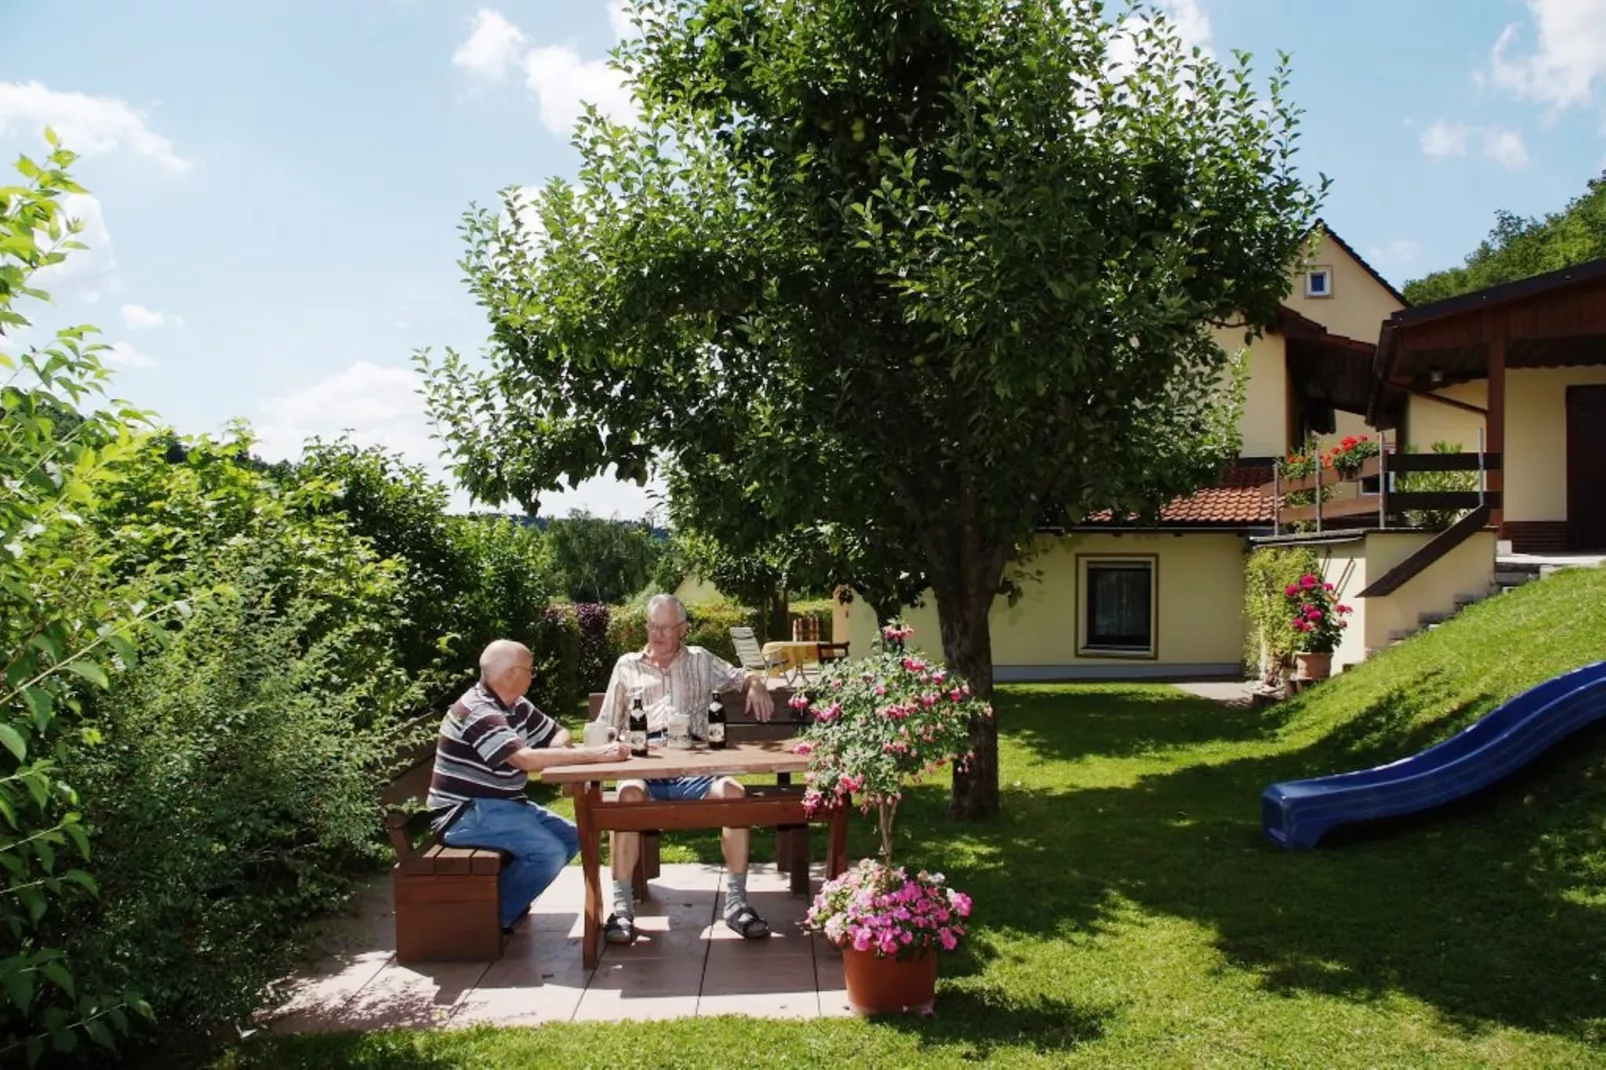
x=445, y=897
x=791, y=840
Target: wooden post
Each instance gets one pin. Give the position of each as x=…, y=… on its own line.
x=1318, y=493
x=1382, y=481
x=1276, y=500
x=1495, y=440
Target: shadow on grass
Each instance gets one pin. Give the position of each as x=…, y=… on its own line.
x=975, y=1024
x=1481, y=908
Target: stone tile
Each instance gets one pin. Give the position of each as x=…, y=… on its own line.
x=761, y=1004
x=321, y=992
x=758, y=974
x=538, y=979
x=642, y=989
x=417, y=997
x=613, y=1006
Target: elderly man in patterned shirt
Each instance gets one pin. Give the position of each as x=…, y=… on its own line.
x=668, y=675
x=490, y=741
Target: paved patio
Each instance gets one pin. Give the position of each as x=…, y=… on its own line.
x=685, y=964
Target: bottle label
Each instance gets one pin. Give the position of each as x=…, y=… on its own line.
x=716, y=731
x=638, y=741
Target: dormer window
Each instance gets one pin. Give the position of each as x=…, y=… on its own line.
x=1319, y=282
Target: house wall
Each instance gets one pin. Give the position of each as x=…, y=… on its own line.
x=1359, y=304
x=1536, y=440
x=1427, y=422
x=1199, y=612
x=1264, y=423
x=1349, y=565
x=1536, y=434
x=695, y=589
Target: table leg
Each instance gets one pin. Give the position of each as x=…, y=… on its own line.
x=585, y=797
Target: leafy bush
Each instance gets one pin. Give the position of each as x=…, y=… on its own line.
x=554, y=642
x=1271, y=637
x=236, y=785
x=66, y=626
x=711, y=623
x=1435, y=482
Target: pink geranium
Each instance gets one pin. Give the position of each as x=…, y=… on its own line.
x=874, y=907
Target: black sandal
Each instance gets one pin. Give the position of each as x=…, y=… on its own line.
x=619, y=929
x=747, y=922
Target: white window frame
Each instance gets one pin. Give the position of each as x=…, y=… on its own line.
x=1085, y=564
x=1327, y=277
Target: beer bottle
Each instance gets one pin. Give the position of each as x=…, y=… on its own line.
x=637, y=731
x=716, y=722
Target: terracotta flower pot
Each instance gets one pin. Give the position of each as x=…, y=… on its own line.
x=889, y=985
x=1313, y=666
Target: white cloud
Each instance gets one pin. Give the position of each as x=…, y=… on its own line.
x=1505, y=147
x=561, y=79
x=492, y=47
x=1395, y=257
x=89, y=272
x=381, y=406
x=564, y=83
x=1187, y=18
x=88, y=125
x=124, y=355
x=140, y=318
x=1567, y=62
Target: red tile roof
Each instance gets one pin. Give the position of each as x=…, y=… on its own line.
x=1234, y=502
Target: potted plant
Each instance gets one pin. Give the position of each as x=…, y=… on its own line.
x=1346, y=457
x=881, y=722
x=1318, y=621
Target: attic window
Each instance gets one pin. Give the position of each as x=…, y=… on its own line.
x=1319, y=282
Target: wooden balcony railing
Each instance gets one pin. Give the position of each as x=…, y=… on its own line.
x=1386, y=501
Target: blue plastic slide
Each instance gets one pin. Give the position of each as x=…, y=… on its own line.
x=1299, y=812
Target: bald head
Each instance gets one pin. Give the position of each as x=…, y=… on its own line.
x=506, y=668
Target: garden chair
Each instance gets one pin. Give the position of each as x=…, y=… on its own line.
x=751, y=654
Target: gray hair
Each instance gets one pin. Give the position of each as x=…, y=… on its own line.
x=658, y=600
x=497, y=659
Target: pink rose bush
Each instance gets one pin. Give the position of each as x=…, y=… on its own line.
x=1317, y=614
x=873, y=908
x=879, y=723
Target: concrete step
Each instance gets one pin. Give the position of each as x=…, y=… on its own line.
x=1464, y=600
x=1428, y=620
x=1399, y=635
x=1511, y=578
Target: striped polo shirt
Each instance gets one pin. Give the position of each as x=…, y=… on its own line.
x=684, y=685
x=478, y=736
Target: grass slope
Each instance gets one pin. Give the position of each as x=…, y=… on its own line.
x=1131, y=913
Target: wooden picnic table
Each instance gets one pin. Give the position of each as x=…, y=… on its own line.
x=596, y=812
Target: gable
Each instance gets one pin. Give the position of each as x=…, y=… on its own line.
x=1358, y=299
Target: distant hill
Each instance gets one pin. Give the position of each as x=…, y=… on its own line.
x=1519, y=248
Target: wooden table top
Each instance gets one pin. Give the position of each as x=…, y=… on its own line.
x=774, y=756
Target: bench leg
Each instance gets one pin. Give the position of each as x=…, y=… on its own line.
x=799, y=851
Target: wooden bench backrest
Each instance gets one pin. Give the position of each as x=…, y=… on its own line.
x=740, y=725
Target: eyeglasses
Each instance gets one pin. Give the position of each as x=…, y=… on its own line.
x=664, y=629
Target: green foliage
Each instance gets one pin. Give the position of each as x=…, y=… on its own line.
x=554, y=640
x=821, y=610
x=598, y=560
x=401, y=511
x=237, y=784
x=1435, y=482
x=1271, y=637
x=932, y=273
x=67, y=627
x=711, y=623
x=1520, y=248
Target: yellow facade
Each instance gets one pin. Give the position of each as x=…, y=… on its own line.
x=1198, y=611
x=1353, y=563
x=1359, y=303
x=1536, y=434
x=1264, y=425
x=694, y=589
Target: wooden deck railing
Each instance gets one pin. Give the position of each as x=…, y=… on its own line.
x=1387, y=501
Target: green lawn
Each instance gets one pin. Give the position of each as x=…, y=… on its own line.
x=1129, y=911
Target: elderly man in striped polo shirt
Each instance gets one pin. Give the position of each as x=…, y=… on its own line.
x=491, y=740
x=672, y=676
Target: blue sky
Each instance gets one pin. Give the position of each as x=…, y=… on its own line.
x=277, y=183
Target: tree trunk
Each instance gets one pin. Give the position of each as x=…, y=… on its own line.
x=774, y=612
x=965, y=580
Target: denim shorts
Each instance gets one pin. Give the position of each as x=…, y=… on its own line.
x=674, y=789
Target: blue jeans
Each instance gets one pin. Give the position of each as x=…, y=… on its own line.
x=541, y=844
x=674, y=789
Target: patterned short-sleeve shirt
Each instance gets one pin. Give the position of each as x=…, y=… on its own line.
x=478, y=736
x=685, y=685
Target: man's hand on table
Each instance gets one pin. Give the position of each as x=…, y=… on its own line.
x=617, y=751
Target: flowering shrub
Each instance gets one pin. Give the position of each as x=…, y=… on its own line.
x=1347, y=456
x=871, y=908
x=1317, y=614
x=880, y=722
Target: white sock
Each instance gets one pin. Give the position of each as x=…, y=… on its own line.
x=735, y=893
x=624, y=899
